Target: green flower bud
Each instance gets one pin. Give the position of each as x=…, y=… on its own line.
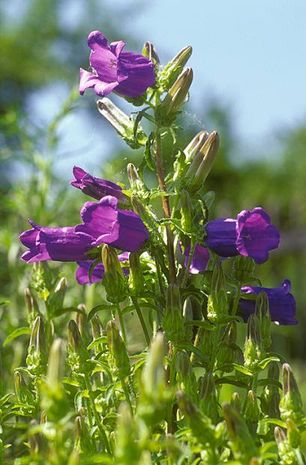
x=286, y=454
x=124, y=125
x=175, y=98
x=270, y=396
x=236, y=402
x=173, y=69
x=173, y=321
x=228, y=350
x=150, y=52
x=252, y=411
x=96, y=327
x=243, y=269
x=193, y=150
x=32, y=306
x=217, y=306
x=208, y=395
x=114, y=280
x=153, y=375
x=37, y=358
x=135, y=182
x=136, y=281
x=252, y=347
x=22, y=390
x=128, y=449
x=202, y=162
x=200, y=425
x=56, y=298
x=293, y=434
x=291, y=405
x=242, y=442
x=186, y=207
x=117, y=349
x=262, y=311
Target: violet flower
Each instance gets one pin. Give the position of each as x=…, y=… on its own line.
x=282, y=304
x=58, y=244
x=107, y=224
x=97, y=272
x=199, y=260
x=251, y=235
x=95, y=187
x=127, y=73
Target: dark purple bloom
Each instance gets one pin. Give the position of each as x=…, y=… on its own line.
x=107, y=224
x=251, y=235
x=95, y=187
x=199, y=260
x=97, y=272
x=127, y=73
x=58, y=244
x=281, y=303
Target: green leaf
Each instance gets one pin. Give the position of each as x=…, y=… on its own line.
x=16, y=333
x=266, y=361
x=242, y=369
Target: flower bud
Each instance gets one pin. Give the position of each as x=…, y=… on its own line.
x=291, y=405
x=270, y=397
x=186, y=207
x=262, y=311
x=117, y=349
x=153, y=375
x=217, y=306
x=200, y=425
x=36, y=358
x=293, y=434
x=124, y=125
x=284, y=449
x=128, y=449
x=150, y=52
x=228, y=350
x=96, y=327
x=202, y=162
x=193, y=149
x=252, y=411
x=252, y=346
x=172, y=70
x=173, y=321
x=175, y=98
x=22, y=390
x=236, y=401
x=31, y=304
x=136, y=281
x=241, y=439
x=113, y=281
x=208, y=395
x=56, y=299
x=243, y=269
x=134, y=179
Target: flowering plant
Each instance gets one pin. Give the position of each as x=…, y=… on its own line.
x=190, y=393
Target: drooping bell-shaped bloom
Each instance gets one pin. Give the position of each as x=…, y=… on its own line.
x=95, y=187
x=251, y=234
x=122, y=229
x=86, y=273
x=199, y=259
x=127, y=73
x=58, y=244
x=282, y=304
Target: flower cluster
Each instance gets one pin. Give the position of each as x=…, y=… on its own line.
x=103, y=223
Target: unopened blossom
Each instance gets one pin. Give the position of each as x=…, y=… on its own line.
x=199, y=261
x=282, y=305
x=58, y=244
x=88, y=273
x=251, y=234
x=112, y=69
x=95, y=187
x=107, y=224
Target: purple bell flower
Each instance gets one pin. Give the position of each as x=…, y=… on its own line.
x=127, y=73
x=251, y=235
x=199, y=260
x=97, y=274
x=58, y=244
x=282, y=304
x=95, y=187
x=107, y=224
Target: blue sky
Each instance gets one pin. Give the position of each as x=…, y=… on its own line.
x=248, y=54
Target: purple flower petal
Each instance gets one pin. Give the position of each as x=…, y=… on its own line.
x=128, y=73
x=95, y=187
x=221, y=237
x=58, y=244
x=122, y=229
x=82, y=272
x=199, y=260
x=282, y=304
x=256, y=235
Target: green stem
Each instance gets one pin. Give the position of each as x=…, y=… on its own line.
x=122, y=326
x=165, y=205
x=141, y=319
x=96, y=415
